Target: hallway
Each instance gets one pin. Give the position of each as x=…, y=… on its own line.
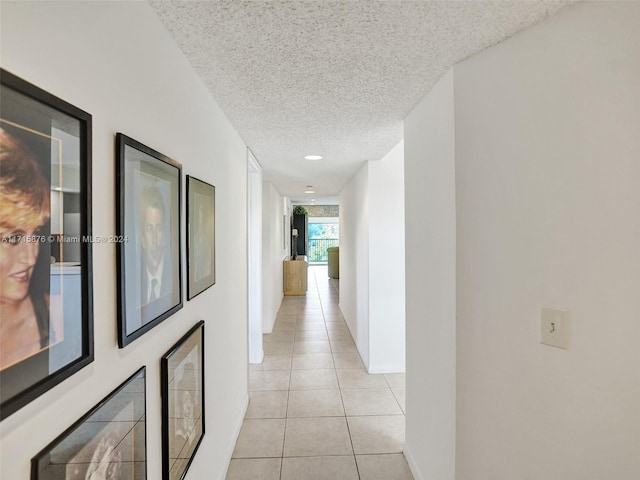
x=314, y=411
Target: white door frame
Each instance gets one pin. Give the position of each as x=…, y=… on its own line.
x=254, y=257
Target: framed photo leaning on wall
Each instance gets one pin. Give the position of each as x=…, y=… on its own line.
x=182, y=384
x=46, y=299
x=201, y=236
x=148, y=205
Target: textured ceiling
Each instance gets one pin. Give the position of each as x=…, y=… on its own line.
x=334, y=78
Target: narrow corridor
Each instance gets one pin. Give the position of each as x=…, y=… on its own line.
x=314, y=411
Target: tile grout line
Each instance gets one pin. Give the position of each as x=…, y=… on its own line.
x=346, y=419
x=301, y=310
x=286, y=410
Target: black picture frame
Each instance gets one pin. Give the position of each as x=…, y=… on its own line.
x=109, y=441
x=201, y=236
x=45, y=173
x=183, y=412
x=148, y=207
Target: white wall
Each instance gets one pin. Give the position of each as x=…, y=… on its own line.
x=116, y=61
x=430, y=242
x=546, y=175
x=274, y=251
x=354, y=259
x=254, y=257
x=372, y=261
x=386, y=263
x=547, y=164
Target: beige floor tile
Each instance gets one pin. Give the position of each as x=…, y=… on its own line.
x=260, y=438
x=380, y=434
x=310, y=302
x=345, y=335
x=306, y=336
x=305, y=361
x=254, y=469
x=337, y=327
x=338, y=332
x=311, y=347
x=399, y=393
x=288, y=311
x=287, y=319
x=305, y=437
x=281, y=327
x=278, y=348
x=276, y=362
x=343, y=346
x=309, y=318
x=347, y=360
x=370, y=401
x=298, y=377
x=395, y=380
x=272, y=362
x=315, y=310
x=330, y=297
x=383, y=467
x=269, y=380
x=319, y=468
x=267, y=404
x=255, y=367
x=331, y=309
x=359, y=378
x=316, y=379
x=278, y=337
x=315, y=403
x=311, y=327
x=312, y=308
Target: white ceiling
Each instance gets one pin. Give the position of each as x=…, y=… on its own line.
x=334, y=78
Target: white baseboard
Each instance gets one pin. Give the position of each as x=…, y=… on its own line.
x=412, y=465
x=386, y=369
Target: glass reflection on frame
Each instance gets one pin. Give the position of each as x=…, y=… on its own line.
x=182, y=377
x=46, y=317
x=108, y=443
x=201, y=236
x=148, y=206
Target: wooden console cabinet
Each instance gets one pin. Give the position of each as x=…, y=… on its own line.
x=295, y=275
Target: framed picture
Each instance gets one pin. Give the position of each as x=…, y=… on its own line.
x=201, y=236
x=46, y=311
x=148, y=222
x=182, y=383
x=107, y=443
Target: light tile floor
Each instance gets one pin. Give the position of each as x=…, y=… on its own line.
x=314, y=411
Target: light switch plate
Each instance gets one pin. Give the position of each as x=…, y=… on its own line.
x=554, y=328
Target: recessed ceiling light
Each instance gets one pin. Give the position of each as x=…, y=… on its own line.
x=313, y=157
x=309, y=191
